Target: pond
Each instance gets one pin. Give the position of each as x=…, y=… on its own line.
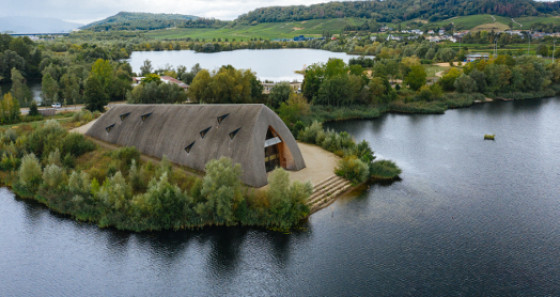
x=270, y=64
x=469, y=218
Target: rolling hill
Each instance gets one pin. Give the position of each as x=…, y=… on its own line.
x=139, y=21
x=388, y=11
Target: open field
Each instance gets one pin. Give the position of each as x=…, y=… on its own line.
x=486, y=21
x=266, y=31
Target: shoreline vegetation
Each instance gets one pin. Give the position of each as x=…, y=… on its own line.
x=73, y=176
x=66, y=172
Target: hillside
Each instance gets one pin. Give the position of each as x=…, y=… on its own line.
x=140, y=21
x=35, y=25
x=266, y=31
x=401, y=10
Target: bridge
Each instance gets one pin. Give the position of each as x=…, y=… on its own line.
x=37, y=34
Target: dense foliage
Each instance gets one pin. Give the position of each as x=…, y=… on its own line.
x=116, y=188
x=227, y=85
x=400, y=10
x=140, y=21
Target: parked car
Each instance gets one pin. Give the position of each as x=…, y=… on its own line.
x=57, y=105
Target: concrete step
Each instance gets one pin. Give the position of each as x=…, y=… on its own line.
x=322, y=203
x=324, y=182
x=328, y=188
x=326, y=192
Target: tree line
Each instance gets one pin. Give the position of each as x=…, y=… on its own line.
x=391, y=11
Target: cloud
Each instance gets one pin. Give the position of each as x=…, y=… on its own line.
x=87, y=10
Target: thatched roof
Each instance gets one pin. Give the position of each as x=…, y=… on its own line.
x=192, y=135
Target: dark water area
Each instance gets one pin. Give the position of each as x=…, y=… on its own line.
x=469, y=218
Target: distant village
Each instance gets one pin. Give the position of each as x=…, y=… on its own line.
x=430, y=35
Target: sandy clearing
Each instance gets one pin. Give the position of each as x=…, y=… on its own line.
x=320, y=164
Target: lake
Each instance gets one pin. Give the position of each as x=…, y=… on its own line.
x=469, y=218
x=269, y=64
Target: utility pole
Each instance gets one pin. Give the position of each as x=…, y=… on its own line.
x=529, y=48
x=553, y=50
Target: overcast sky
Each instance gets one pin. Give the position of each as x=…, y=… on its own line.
x=85, y=11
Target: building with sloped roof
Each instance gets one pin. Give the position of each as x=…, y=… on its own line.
x=191, y=135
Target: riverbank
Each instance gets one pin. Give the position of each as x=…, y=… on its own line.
x=451, y=101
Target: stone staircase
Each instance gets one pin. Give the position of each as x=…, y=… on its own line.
x=325, y=192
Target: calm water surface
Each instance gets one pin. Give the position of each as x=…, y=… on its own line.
x=469, y=218
x=269, y=64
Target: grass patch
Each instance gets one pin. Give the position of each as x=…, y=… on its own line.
x=421, y=107
x=325, y=113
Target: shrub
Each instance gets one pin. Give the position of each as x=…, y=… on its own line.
x=69, y=161
x=33, y=111
x=353, y=169
x=53, y=177
x=168, y=203
x=79, y=183
x=337, y=142
x=9, y=136
x=54, y=158
x=385, y=169
x=9, y=162
x=114, y=192
x=125, y=156
x=30, y=173
x=46, y=139
x=221, y=188
x=76, y=145
x=287, y=202
x=83, y=116
x=311, y=133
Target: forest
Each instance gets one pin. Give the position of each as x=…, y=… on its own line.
x=390, y=11
x=141, y=21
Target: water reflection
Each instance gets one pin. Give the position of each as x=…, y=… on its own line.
x=469, y=218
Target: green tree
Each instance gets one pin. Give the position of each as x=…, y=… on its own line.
x=95, y=96
x=97, y=92
x=334, y=91
x=33, y=110
x=447, y=80
x=199, y=90
x=465, y=84
x=70, y=88
x=9, y=110
x=416, y=77
x=20, y=90
x=378, y=90
x=151, y=77
x=29, y=173
x=146, y=68
x=287, y=202
x=228, y=85
x=294, y=109
x=279, y=93
x=8, y=60
x=313, y=78
x=542, y=50
x=50, y=90
x=221, y=188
